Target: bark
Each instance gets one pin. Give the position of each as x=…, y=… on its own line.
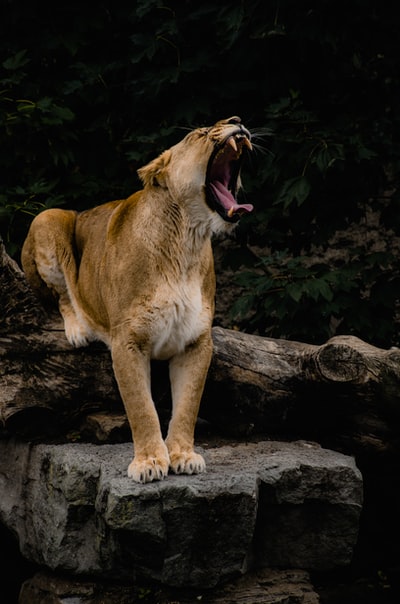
x=286, y=384
x=19, y=309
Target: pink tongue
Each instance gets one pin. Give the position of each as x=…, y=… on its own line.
x=227, y=200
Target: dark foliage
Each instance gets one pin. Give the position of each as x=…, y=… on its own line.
x=89, y=93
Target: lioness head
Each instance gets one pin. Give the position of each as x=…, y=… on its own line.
x=205, y=165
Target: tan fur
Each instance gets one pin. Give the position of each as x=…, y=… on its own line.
x=138, y=274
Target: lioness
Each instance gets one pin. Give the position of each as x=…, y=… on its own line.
x=138, y=274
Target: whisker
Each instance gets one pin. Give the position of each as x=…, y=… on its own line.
x=185, y=128
x=261, y=132
x=258, y=135
x=262, y=149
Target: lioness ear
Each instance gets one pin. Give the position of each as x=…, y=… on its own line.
x=153, y=173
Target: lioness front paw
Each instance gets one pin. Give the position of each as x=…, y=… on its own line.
x=187, y=463
x=149, y=469
x=76, y=334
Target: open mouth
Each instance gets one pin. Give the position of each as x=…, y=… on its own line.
x=222, y=177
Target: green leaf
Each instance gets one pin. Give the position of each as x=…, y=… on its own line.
x=242, y=306
x=365, y=153
x=317, y=288
x=294, y=189
x=143, y=7
x=25, y=107
x=53, y=114
x=295, y=291
x=327, y=156
x=16, y=61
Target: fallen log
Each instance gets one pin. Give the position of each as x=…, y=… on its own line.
x=255, y=384
x=276, y=381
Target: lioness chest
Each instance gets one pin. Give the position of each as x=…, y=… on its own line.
x=178, y=317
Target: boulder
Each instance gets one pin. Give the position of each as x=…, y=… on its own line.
x=74, y=510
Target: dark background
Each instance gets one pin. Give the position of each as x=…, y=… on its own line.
x=89, y=93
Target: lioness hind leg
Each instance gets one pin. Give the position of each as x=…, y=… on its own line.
x=188, y=372
x=48, y=261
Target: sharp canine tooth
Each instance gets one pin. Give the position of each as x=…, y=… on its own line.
x=248, y=144
x=232, y=143
x=230, y=212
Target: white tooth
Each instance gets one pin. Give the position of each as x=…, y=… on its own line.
x=230, y=212
x=232, y=143
x=248, y=144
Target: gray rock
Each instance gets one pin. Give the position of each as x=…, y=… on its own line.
x=269, y=503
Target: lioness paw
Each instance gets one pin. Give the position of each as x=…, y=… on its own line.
x=76, y=333
x=187, y=463
x=147, y=470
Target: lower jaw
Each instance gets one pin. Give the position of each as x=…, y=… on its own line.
x=230, y=219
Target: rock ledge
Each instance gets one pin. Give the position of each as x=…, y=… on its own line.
x=266, y=504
